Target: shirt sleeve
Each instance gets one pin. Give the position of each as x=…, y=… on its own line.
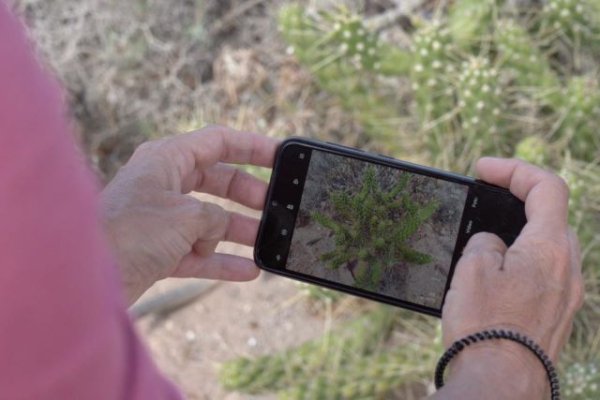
x=64, y=329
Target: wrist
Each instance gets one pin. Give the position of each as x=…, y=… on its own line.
x=499, y=369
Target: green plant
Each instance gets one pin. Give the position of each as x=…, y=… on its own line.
x=372, y=227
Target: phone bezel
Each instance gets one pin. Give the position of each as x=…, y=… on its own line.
x=380, y=160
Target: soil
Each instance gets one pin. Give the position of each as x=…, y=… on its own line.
x=233, y=320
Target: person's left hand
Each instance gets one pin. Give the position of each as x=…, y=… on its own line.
x=157, y=230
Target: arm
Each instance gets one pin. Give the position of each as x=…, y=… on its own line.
x=64, y=330
x=534, y=287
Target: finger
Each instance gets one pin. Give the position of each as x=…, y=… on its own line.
x=545, y=194
x=212, y=144
x=575, y=252
x=232, y=183
x=242, y=229
x=205, y=221
x=577, y=286
x=483, y=251
x=218, y=266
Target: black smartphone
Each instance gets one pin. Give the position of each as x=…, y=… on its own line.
x=374, y=226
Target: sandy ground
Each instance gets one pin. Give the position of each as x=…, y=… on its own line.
x=235, y=319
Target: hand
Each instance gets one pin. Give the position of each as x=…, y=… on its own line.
x=157, y=230
x=534, y=287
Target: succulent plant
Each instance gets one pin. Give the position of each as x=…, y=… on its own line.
x=372, y=228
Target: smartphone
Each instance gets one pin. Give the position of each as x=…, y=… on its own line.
x=374, y=226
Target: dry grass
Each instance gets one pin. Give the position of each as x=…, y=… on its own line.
x=136, y=70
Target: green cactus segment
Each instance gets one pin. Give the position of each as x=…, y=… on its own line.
x=486, y=76
x=578, y=110
x=371, y=229
x=326, y=38
x=521, y=59
x=480, y=105
x=346, y=58
x=371, y=377
x=533, y=149
x=471, y=20
x=575, y=21
x=433, y=72
x=302, y=365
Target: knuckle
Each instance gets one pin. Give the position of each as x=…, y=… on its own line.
x=482, y=259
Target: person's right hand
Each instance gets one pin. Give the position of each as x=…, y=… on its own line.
x=534, y=287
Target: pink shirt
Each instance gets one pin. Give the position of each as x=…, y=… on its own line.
x=64, y=330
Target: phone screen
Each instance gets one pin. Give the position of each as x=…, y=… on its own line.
x=377, y=228
x=374, y=226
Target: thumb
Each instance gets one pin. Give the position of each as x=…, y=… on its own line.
x=483, y=251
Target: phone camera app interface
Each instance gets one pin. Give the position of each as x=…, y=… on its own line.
x=377, y=228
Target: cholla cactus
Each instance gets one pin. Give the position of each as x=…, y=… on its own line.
x=371, y=377
x=323, y=38
x=346, y=57
x=582, y=381
x=356, y=43
x=480, y=105
x=521, y=59
x=575, y=21
x=578, y=110
x=470, y=21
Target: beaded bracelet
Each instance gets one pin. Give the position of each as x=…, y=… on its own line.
x=459, y=345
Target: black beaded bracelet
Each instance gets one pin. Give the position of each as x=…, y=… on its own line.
x=459, y=345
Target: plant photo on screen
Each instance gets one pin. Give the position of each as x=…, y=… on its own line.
x=371, y=228
x=377, y=228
